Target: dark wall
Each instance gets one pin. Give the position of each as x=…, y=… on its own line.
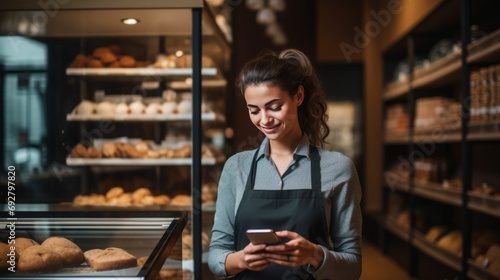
x=298, y=23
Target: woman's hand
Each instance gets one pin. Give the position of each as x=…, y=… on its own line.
x=298, y=251
x=249, y=258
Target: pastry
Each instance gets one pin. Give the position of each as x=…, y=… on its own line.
x=167, y=153
x=184, y=107
x=81, y=200
x=79, y=151
x=97, y=199
x=130, y=151
x=94, y=63
x=138, y=194
x=161, y=199
x=493, y=253
x=109, y=259
x=93, y=153
x=153, y=154
x=121, y=110
x=108, y=57
x=79, y=61
x=181, y=200
x=4, y=258
x=39, y=258
x=183, y=152
x=166, y=62
x=153, y=109
x=85, y=108
x=141, y=261
x=71, y=254
x=127, y=61
x=114, y=192
x=22, y=244
x=168, y=107
x=109, y=150
x=142, y=64
x=452, y=241
x=147, y=200
x=142, y=146
x=435, y=232
x=105, y=109
x=114, y=49
x=124, y=200
x=99, y=52
x=137, y=107
x=115, y=64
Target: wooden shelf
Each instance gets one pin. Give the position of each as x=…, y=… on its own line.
x=433, y=250
x=396, y=229
x=486, y=49
x=138, y=162
x=437, y=135
x=484, y=203
x=436, y=192
x=487, y=131
x=393, y=138
x=395, y=90
x=477, y=272
x=439, y=73
x=211, y=116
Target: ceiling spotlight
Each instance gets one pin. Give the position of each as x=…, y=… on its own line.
x=179, y=53
x=130, y=21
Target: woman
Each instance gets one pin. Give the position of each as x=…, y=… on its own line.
x=310, y=196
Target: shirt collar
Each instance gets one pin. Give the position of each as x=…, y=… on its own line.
x=302, y=148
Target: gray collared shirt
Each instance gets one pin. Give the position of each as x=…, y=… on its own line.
x=341, y=197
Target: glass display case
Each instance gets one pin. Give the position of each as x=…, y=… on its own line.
x=115, y=106
x=148, y=238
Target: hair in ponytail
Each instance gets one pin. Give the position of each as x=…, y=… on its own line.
x=289, y=70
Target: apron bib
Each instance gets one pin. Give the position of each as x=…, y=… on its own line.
x=300, y=211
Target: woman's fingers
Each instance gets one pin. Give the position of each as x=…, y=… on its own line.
x=289, y=234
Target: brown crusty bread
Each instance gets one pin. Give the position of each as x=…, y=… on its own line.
x=39, y=258
x=71, y=254
x=109, y=259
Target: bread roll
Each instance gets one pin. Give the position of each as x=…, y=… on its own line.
x=71, y=254
x=138, y=194
x=452, y=242
x=141, y=261
x=109, y=150
x=162, y=199
x=109, y=259
x=38, y=259
x=114, y=192
x=22, y=244
x=79, y=151
x=435, y=232
x=127, y=61
x=181, y=200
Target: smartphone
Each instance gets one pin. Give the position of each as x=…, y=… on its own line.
x=263, y=236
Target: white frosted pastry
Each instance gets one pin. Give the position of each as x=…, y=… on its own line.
x=121, y=109
x=137, y=107
x=168, y=107
x=184, y=107
x=85, y=108
x=152, y=109
x=105, y=109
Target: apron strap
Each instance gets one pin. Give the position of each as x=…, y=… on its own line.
x=253, y=170
x=315, y=168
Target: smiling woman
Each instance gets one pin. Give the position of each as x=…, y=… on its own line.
x=308, y=195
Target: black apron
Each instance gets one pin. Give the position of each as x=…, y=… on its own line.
x=301, y=211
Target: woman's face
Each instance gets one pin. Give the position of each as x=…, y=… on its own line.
x=272, y=110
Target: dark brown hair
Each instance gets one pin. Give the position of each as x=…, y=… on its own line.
x=288, y=70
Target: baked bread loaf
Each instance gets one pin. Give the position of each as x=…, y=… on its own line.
x=109, y=259
x=139, y=194
x=141, y=261
x=114, y=192
x=38, y=259
x=452, y=242
x=79, y=61
x=162, y=199
x=127, y=61
x=435, y=232
x=4, y=250
x=109, y=150
x=71, y=254
x=22, y=244
x=181, y=200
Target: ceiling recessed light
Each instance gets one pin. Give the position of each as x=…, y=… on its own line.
x=130, y=21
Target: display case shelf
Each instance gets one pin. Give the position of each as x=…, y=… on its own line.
x=477, y=272
x=210, y=116
x=487, y=131
x=439, y=73
x=208, y=84
x=394, y=90
x=393, y=138
x=436, y=192
x=437, y=135
x=391, y=225
x=486, y=49
x=139, y=161
x=158, y=72
x=484, y=203
x=433, y=250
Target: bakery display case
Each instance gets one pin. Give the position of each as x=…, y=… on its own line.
x=116, y=107
x=106, y=245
